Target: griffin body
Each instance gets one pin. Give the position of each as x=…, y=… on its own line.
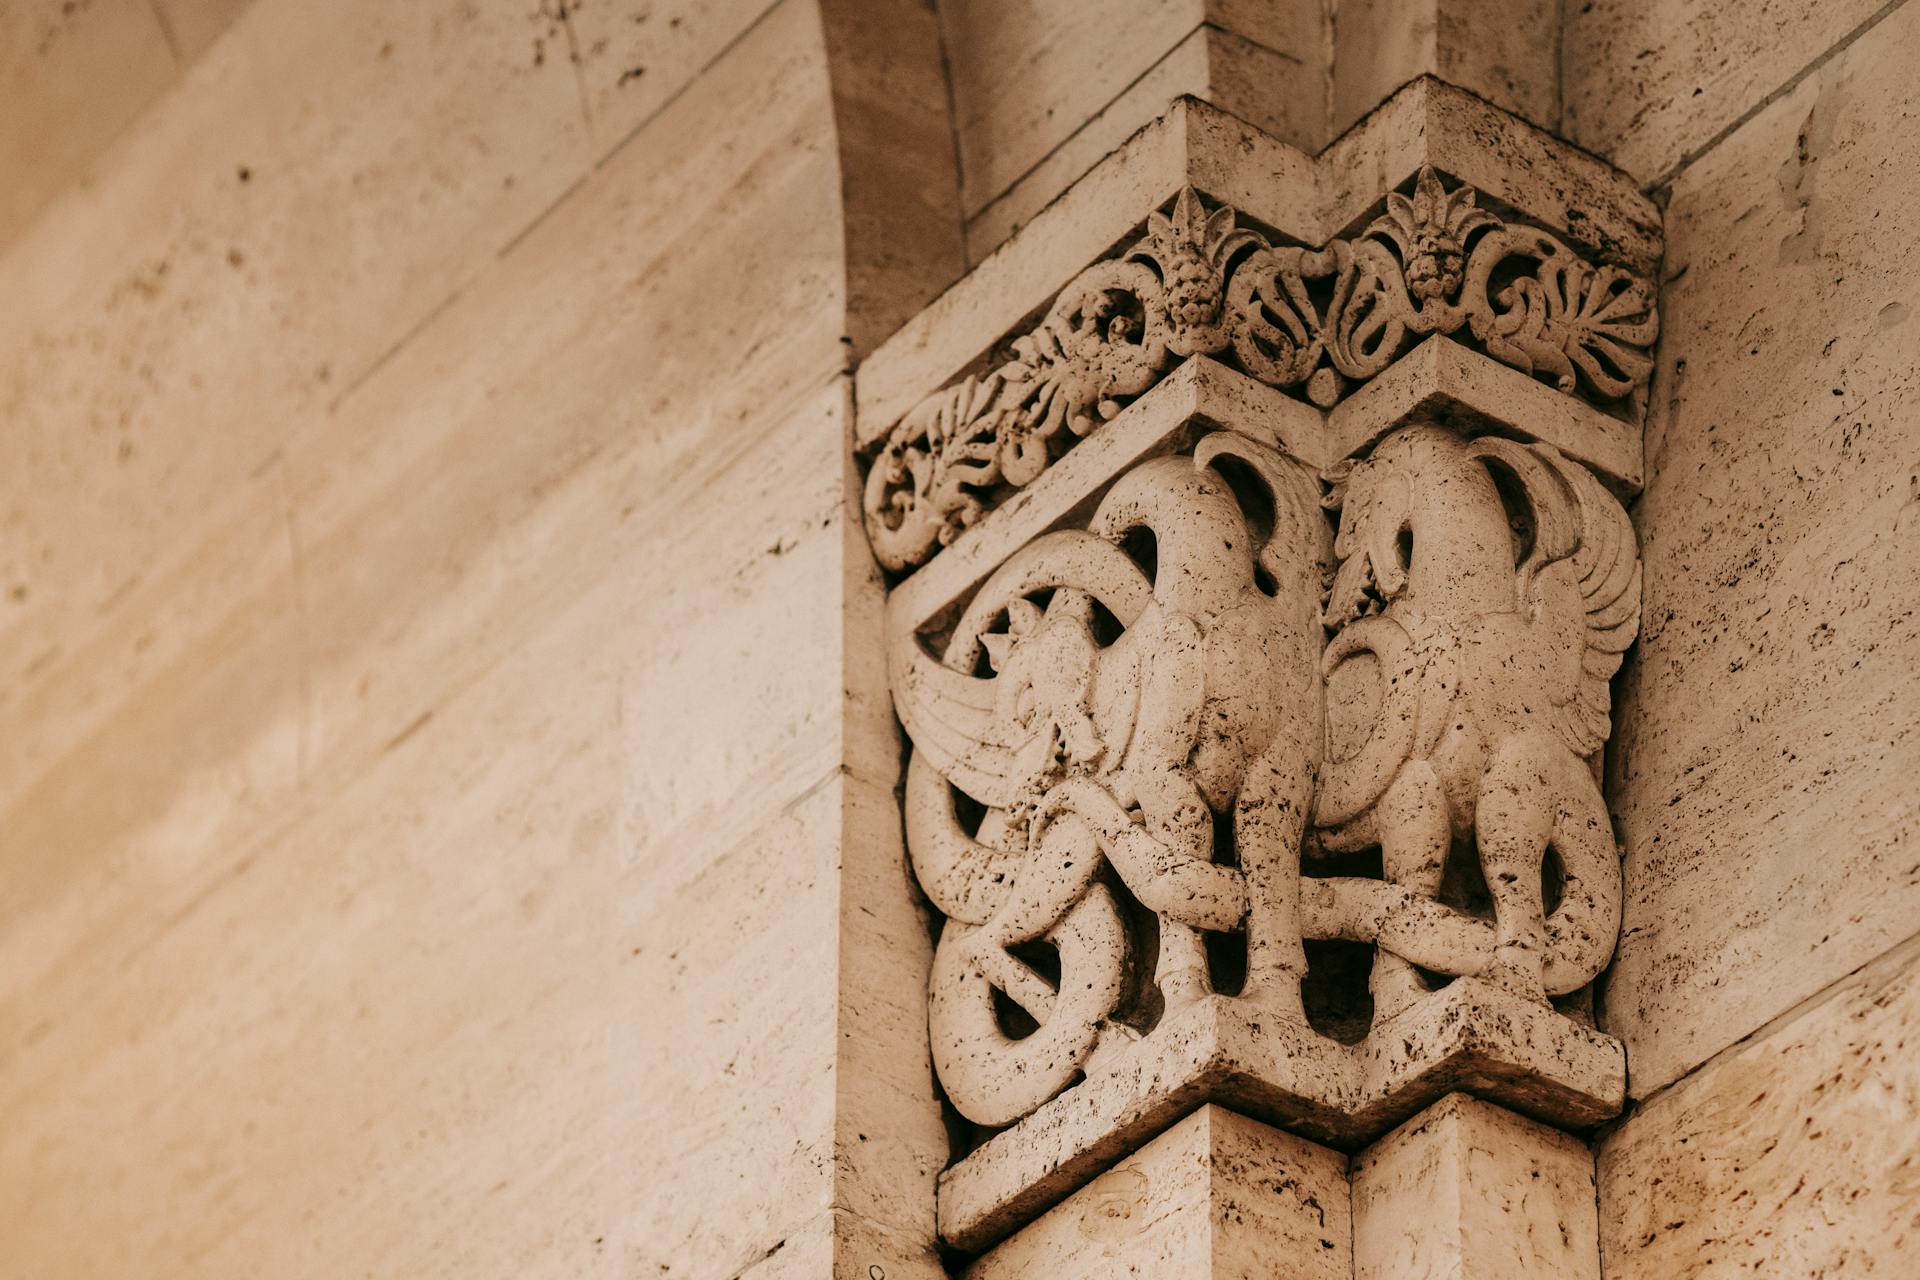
x=1468, y=695
x=1105, y=708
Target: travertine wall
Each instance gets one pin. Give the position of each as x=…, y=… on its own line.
x=448, y=816
x=429, y=813
x=1762, y=775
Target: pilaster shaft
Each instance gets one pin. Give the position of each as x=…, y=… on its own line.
x=1255, y=616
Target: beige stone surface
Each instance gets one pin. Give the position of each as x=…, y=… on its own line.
x=193, y=25
x=1216, y=1197
x=1029, y=74
x=447, y=771
x=485, y=916
x=1445, y=382
x=1793, y=1153
x=1274, y=91
x=1506, y=51
x=1468, y=1038
x=1469, y=1191
x=1200, y=282
x=1201, y=394
x=413, y=870
x=1651, y=85
x=1190, y=143
x=72, y=78
x=327, y=179
x=1762, y=773
x=385, y=587
x=1305, y=199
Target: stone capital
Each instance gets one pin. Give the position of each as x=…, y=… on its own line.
x=1258, y=588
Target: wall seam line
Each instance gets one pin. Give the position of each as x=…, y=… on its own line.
x=1033, y=168
x=1686, y=161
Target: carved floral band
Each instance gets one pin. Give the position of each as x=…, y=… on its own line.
x=1316, y=320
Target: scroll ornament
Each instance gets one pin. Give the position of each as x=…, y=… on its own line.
x=1316, y=321
x=1117, y=755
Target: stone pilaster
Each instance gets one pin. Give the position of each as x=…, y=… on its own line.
x=1256, y=595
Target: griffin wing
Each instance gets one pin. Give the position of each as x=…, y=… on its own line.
x=949, y=712
x=1604, y=572
x=1580, y=584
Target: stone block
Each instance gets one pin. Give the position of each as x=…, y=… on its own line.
x=1650, y=85
x=1470, y=1191
x=1443, y=382
x=1273, y=91
x=1469, y=1038
x=1027, y=77
x=327, y=180
x=1505, y=52
x=1762, y=770
x=1793, y=1153
x=1216, y=1197
x=282, y=636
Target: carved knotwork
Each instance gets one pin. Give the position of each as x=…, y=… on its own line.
x=1124, y=711
x=1316, y=321
x=1190, y=674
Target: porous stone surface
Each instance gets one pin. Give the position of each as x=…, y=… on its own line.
x=1043, y=88
x=412, y=869
x=448, y=776
x=1217, y=1197
x=1763, y=768
x=1302, y=199
x=1471, y=1038
x=1506, y=51
x=1793, y=1153
x=1109, y=658
x=1469, y=1191
x=1275, y=91
x=1649, y=86
x=73, y=77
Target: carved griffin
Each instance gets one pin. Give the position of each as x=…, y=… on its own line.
x=1467, y=696
x=1109, y=695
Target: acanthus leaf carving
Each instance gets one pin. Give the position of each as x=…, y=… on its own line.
x=1312, y=321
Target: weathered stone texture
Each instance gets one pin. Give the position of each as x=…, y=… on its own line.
x=1649, y=84
x=1762, y=773
x=1469, y=1191
x=1217, y=1197
x=413, y=868
x=319, y=610
x=1795, y=1153
x=1042, y=90
x=328, y=179
x=193, y=25
x=1504, y=50
x=1270, y=90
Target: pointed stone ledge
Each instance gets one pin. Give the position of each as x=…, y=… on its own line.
x=1216, y=1196
x=1439, y=381
x=1470, y=1038
x=1446, y=384
x=1301, y=199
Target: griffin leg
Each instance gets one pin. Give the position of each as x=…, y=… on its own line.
x=1412, y=820
x=1513, y=822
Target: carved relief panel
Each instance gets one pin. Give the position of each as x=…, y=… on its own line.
x=1264, y=775
x=1118, y=705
